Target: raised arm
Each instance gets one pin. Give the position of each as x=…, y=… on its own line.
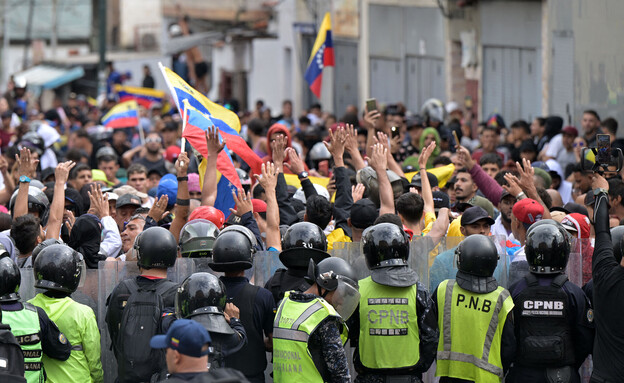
x=26, y=166
x=527, y=183
x=296, y=166
x=382, y=138
x=9, y=184
x=287, y=213
x=379, y=161
x=488, y=186
x=183, y=199
x=426, y=193
x=111, y=239
x=351, y=146
x=268, y=180
x=57, y=208
x=370, y=119
x=209, y=189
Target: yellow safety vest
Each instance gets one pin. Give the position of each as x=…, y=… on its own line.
x=471, y=327
x=293, y=325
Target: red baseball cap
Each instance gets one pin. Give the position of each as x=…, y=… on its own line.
x=578, y=223
x=571, y=130
x=528, y=211
x=172, y=153
x=259, y=206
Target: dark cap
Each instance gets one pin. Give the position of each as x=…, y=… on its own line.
x=440, y=200
x=186, y=337
x=573, y=207
x=363, y=213
x=474, y=214
x=128, y=200
x=417, y=181
x=570, y=130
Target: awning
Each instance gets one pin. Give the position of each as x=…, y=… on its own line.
x=50, y=77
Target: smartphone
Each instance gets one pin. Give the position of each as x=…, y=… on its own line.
x=396, y=131
x=371, y=104
x=603, y=146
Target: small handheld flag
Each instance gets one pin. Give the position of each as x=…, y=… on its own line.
x=322, y=56
x=143, y=96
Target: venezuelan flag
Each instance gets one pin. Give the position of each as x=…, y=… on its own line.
x=322, y=55
x=123, y=115
x=224, y=119
x=197, y=123
x=143, y=96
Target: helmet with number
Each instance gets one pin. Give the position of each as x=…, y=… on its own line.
x=197, y=238
x=244, y=179
x=202, y=297
x=58, y=268
x=617, y=239
x=301, y=242
x=37, y=200
x=232, y=251
x=43, y=245
x=477, y=259
x=547, y=248
x=433, y=110
x=32, y=141
x=156, y=248
x=10, y=278
x=243, y=230
x=335, y=274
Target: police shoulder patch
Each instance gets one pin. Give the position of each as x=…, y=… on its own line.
x=62, y=338
x=590, y=315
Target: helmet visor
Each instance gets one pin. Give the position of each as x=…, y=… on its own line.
x=82, y=268
x=346, y=298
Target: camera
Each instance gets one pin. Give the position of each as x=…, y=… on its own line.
x=607, y=158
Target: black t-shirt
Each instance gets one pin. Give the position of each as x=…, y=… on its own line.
x=151, y=165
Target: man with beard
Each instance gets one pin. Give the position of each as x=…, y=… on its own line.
x=465, y=188
x=502, y=224
x=152, y=158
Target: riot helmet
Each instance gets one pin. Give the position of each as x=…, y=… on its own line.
x=243, y=230
x=10, y=278
x=232, y=251
x=202, y=297
x=385, y=245
x=244, y=179
x=37, y=200
x=319, y=152
x=617, y=240
x=477, y=259
x=45, y=243
x=156, y=248
x=58, y=268
x=547, y=248
x=301, y=242
x=335, y=274
x=433, y=111
x=197, y=238
x=32, y=141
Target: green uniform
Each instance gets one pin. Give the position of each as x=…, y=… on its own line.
x=388, y=322
x=26, y=329
x=471, y=327
x=294, y=323
x=78, y=323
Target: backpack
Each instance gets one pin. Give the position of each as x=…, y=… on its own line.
x=140, y=320
x=11, y=357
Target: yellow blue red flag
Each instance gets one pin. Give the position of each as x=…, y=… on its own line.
x=123, y=115
x=143, y=96
x=322, y=55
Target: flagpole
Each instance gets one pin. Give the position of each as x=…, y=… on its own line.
x=141, y=134
x=183, y=140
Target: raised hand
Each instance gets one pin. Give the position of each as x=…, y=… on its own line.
x=99, y=201
x=464, y=157
x=182, y=164
x=371, y=117
x=357, y=192
x=336, y=146
x=212, y=141
x=158, y=210
x=26, y=163
x=351, y=143
x=268, y=178
x=378, y=159
x=425, y=155
x=231, y=311
x=278, y=150
x=61, y=173
x=296, y=163
x=243, y=203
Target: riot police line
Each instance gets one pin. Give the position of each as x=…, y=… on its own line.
x=97, y=284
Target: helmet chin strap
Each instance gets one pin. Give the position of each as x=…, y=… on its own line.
x=320, y=293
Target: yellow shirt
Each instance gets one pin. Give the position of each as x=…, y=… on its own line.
x=338, y=235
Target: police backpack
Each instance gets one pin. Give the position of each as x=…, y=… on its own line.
x=140, y=320
x=11, y=357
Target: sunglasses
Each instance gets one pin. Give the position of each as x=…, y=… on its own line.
x=150, y=140
x=578, y=144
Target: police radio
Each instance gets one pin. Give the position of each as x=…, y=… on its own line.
x=608, y=159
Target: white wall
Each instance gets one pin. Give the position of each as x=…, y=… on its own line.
x=142, y=13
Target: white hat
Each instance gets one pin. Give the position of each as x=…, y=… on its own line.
x=451, y=106
x=300, y=195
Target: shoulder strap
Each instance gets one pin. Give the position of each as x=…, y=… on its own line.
x=131, y=285
x=164, y=286
x=559, y=280
x=278, y=278
x=531, y=279
x=28, y=306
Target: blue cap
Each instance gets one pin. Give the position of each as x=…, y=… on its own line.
x=168, y=185
x=185, y=336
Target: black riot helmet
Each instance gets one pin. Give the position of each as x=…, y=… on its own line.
x=43, y=245
x=202, y=297
x=232, y=251
x=10, y=278
x=547, y=248
x=477, y=259
x=37, y=200
x=385, y=245
x=617, y=240
x=58, y=268
x=244, y=179
x=32, y=141
x=197, y=238
x=156, y=248
x=335, y=274
x=301, y=242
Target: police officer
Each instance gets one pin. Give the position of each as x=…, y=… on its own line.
x=554, y=326
x=156, y=250
x=395, y=313
x=12, y=370
x=197, y=238
x=201, y=297
x=34, y=331
x=301, y=242
x=58, y=269
x=309, y=331
x=477, y=342
x=232, y=254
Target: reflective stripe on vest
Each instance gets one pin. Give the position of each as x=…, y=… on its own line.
x=388, y=322
x=467, y=309
x=25, y=327
x=294, y=322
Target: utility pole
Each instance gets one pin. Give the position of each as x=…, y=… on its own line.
x=31, y=12
x=54, y=38
x=102, y=47
x=5, y=45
